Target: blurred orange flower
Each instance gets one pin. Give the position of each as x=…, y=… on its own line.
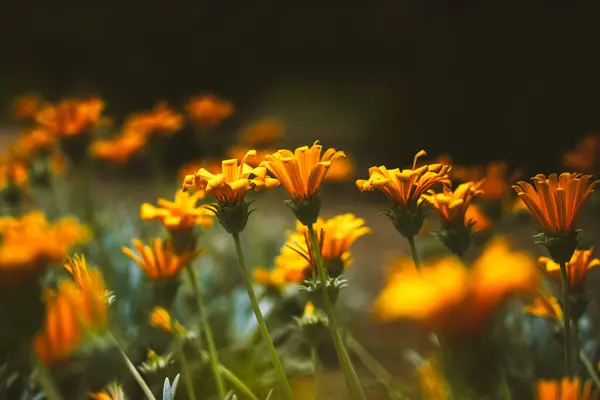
x=584, y=157
x=26, y=106
x=341, y=170
x=579, y=265
x=30, y=143
x=13, y=173
x=452, y=205
x=566, y=389
x=161, y=119
x=301, y=172
x=71, y=117
x=263, y=133
x=119, y=149
x=72, y=312
x=181, y=214
x=495, y=176
x=448, y=298
x=208, y=110
x=405, y=188
x=239, y=153
x=212, y=166
x=158, y=260
x=481, y=222
x=160, y=318
x=277, y=277
x=545, y=305
x=112, y=392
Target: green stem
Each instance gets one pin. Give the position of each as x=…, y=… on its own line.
x=375, y=367
x=231, y=377
x=413, y=252
x=214, y=356
x=352, y=380
x=134, y=372
x=566, y=319
x=590, y=368
x=314, y=354
x=185, y=368
x=44, y=379
x=261, y=321
x=576, y=344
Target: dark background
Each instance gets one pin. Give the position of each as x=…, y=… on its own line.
x=482, y=80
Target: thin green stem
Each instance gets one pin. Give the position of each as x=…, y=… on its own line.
x=413, y=252
x=566, y=319
x=590, y=368
x=314, y=354
x=352, y=380
x=576, y=345
x=44, y=379
x=185, y=368
x=214, y=355
x=261, y=321
x=134, y=372
x=237, y=382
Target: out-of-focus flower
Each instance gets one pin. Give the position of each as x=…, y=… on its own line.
x=179, y=215
x=71, y=117
x=545, y=305
x=26, y=106
x=262, y=133
x=452, y=205
x=584, y=157
x=72, y=312
x=119, y=149
x=161, y=318
x=301, y=172
x=432, y=382
x=495, y=176
x=159, y=261
x=581, y=262
x=212, y=166
x=32, y=142
x=566, y=389
x=208, y=110
x=155, y=362
x=114, y=391
x=556, y=201
x=160, y=120
x=481, y=222
x=341, y=170
x=77, y=267
x=277, y=277
x=446, y=292
x=13, y=172
x=239, y=153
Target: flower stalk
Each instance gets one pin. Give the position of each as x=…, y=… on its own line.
x=567, y=318
x=413, y=252
x=134, y=372
x=314, y=355
x=185, y=369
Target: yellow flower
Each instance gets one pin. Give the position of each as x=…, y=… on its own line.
x=433, y=384
x=162, y=119
x=71, y=117
x=160, y=318
x=341, y=170
x=452, y=205
x=555, y=202
x=302, y=172
x=181, y=214
x=262, y=133
x=545, y=305
x=239, y=152
x=585, y=156
x=112, y=392
x=119, y=149
x=158, y=260
x=230, y=186
x=208, y=110
x=446, y=292
x=78, y=269
x=71, y=313
x=276, y=277
x=579, y=265
x=212, y=166
x=566, y=389
x=405, y=188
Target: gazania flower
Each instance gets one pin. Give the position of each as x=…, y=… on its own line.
x=119, y=149
x=263, y=133
x=556, y=201
x=30, y=143
x=585, y=155
x=113, y=392
x=545, y=305
x=406, y=187
x=341, y=170
x=566, y=389
x=162, y=119
x=159, y=260
x=78, y=269
x=13, y=173
x=481, y=222
x=441, y=295
x=452, y=205
x=277, y=277
x=179, y=215
x=160, y=318
x=579, y=265
x=495, y=176
x=230, y=186
x=239, y=153
x=208, y=110
x=72, y=312
x=26, y=106
x=71, y=117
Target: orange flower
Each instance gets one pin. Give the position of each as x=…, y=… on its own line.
x=71, y=313
x=566, y=389
x=78, y=269
x=450, y=299
x=240, y=152
x=302, y=172
x=158, y=260
x=30, y=143
x=585, y=156
x=452, y=205
x=579, y=265
x=277, y=277
x=182, y=214
x=161, y=119
x=496, y=180
x=262, y=133
x=160, y=318
x=112, y=392
x=212, y=166
x=405, y=188
x=481, y=222
x=341, y=170
x=71, y=117
x=119, y=149
x=230, y=186
x=555, y=202
x=208, y=110
x=26, y=106
x=545, y=305
x=13, y=173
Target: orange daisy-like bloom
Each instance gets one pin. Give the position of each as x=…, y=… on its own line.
x=71, y=117
x=239, y=153
x=72, y=312
x=112, y=392
x=119, y=149
x=585, y=155
x=302, y=172
x=160, y=318
x=480, y=221
x=406, y=187
x=580, y=263
x=32, y=142
x=341, y=170
x=451, y=205
x=181, y=214
x=556, y=201
x=212, y=166
x=159, y=261
x=162, y=119
x=545, y=305
x=208, y=110
x=263, y=133
x=230, y=186
x=566, y=389
x=13, y=173
x=77, y=267
x=26, y=106
x=450, y=299
x=495, y=176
